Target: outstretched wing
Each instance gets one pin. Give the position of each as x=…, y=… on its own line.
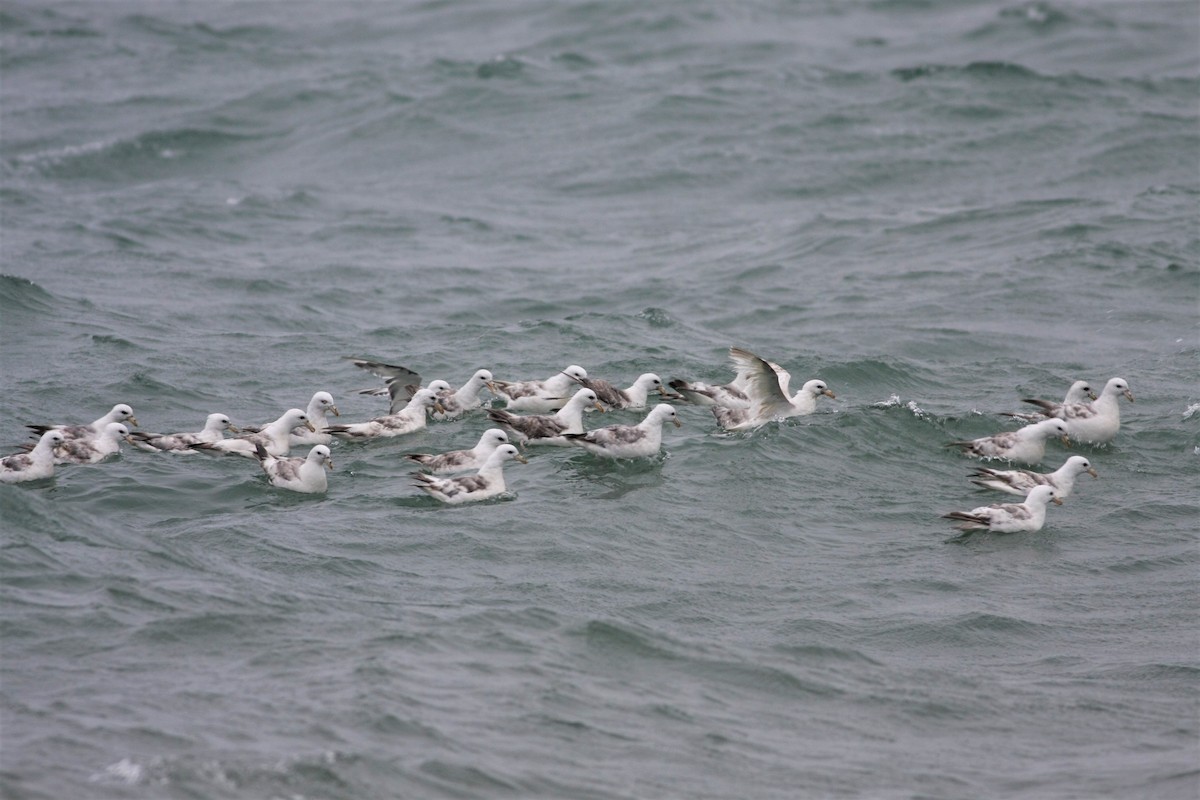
x=397, y=378
x=766, y=383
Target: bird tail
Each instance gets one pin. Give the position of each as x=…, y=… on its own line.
x=501, y=416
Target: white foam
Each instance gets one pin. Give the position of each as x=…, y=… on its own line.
x=125, y=770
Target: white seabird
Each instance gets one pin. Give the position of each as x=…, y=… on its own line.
x=538, y=396
x=1009, y=517
x=1020, y=481
x=306, y=475
x=549, y=428
x=213, y=431
x=462, y=460
x=486, y=483
x=275, y=437
x=38, y=463
x=1024, y=446
x=407, y=420
x=628, y=441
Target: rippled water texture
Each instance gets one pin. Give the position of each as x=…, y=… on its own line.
x=939, y=208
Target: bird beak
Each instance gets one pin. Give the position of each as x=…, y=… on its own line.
x=599, y=407
x=1066, y=442
x=336, y=413
x=329, y=464
x=1093, y=473
x=438, y=407
x=1128, y=394
x=308, y=424
x=1091, y=394
x=133, y=420
x=234, y=428
x=678, y=424
x=491, y=387
x=829, y=394
x=1058, y=501
x=521, y=458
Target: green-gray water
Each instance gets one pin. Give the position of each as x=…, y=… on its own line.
x=937, y=207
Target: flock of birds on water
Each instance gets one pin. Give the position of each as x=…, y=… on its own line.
x=554, y=414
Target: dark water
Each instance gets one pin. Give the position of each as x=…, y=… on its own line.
x=939, y=208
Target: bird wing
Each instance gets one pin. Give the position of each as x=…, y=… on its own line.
x=615, y=434
x=761, y=380
x=608, y=394
x=18, y=462
x=288, y=469
x=536, y=426
x=389, y=372
x=1079, y=411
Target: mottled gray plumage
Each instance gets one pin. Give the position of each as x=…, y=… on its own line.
x=305, y=475
x=703, y=394
x=38, y=463
x=456, y=402
x=1080, y=392
x=93, y=449
x=758, y=394
x=213, y=431
x=538, y=396
x=487, y=483
x=119, y=413
x=400, y=383
x=1095, y=422
x=409, y=419
x=462, y=460
x=549, y=429
x=275, y=437
x=628, y=441
x=1009, y=517
x=1021, y=481
x=1026, y=445
x=636, y=396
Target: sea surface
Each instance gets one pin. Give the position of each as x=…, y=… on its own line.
x=938, y=207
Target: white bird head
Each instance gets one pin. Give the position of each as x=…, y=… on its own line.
x=294, y=417
x=575, y=372
x=115, y=430
x=121, y=413
x=584, y=398
x=321, y=455
x=1117, y=386
x=494, y=436
x=1080, y=392
x=505, y=452
x=816, y=388
x=323, y=401
x=664, y=412
x=1043, y=494
x=1078, y=464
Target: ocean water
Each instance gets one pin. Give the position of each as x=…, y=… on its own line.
x=937, y=207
